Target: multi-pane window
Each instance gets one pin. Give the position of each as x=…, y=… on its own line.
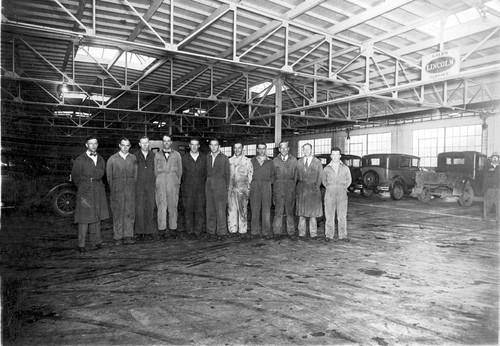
x=270, y=149
x=379, y=143
x=319, y=145
x=374, y=143
x=429, y=142
x=250, y=149
x=226, y=151
x=356, y=145
x=462, y=138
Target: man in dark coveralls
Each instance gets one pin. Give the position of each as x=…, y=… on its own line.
x=145, y=225
x=121, y=172
x=261, y=193
x=194, y=173
x=91, y=204
x=218, y=172
x=285, y=168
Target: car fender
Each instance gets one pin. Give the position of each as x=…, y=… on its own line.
x=59, y=186
x=458, y=186
x=397, y=179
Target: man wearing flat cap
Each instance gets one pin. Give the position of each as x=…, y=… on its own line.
x=491, y=185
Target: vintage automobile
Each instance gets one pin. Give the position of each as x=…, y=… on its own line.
x=459, y=173
x=29, y=182
x=389, y=172
x=351, y=161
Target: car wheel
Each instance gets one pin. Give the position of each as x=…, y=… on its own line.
x=424, y=196
x=64, y=202
x=467, y=197
x=366, y=192
x=370, y=179
x=397, y=191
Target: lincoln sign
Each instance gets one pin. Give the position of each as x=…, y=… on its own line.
x=441, y=65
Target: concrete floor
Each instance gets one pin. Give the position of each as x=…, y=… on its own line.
x=413, y=273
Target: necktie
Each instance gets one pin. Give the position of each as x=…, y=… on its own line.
x=283, y=158
x=166, y=153
x=93, y=154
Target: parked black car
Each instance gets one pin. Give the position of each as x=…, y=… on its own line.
x=28, y=182
x=389, y=172
x=459, y=173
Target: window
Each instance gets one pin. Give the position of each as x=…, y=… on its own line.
x=375, y=143
x=226, y=151
x=356, y=145
x=429, y=142
x=106, y=56
x=379, y=143
x=250, y=149
x=270, y=149
x=320, y=146
x=461, y=138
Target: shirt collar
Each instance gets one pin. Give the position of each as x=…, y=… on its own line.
x=215, y=154
x=123, y=155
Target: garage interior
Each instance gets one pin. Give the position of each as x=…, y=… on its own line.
x=332, y=73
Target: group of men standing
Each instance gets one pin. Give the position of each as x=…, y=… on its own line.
x=215, y=189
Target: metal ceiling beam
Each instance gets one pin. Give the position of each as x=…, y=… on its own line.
x=464, y=75
x=219, y=12
x=368, y=14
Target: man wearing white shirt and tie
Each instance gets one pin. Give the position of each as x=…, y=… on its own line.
x=308, y=197
x=91, y=203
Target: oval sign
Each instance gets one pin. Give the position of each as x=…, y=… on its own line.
x=440, y=64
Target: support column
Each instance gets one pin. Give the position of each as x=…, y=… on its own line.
x=278, y=109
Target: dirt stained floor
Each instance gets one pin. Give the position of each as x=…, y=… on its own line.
x=413, y=273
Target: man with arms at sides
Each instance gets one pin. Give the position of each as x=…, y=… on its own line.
x=121, y=172
x=145, y=227
x=168, y=171
x=285, y=169
x=194, y=174
x=308, y=195
x=91, y=203
x=241, y=171
x=336, y=178
x=261, y=193
x=216, y=185
x=491, y=186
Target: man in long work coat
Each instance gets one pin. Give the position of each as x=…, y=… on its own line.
x=168, y=171
x=145, y=192
x=308, y=196
x=121, y=172
x=218, y=172
x=194, y=174
x=491, y=188
x=336, y=178
x=91, y=203
x=285, y=169
x=261, y=193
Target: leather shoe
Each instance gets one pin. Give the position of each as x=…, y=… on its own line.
x=302, y=238
x=345, y=239
x=314, y=238
x=82, y=250
x=328, y=240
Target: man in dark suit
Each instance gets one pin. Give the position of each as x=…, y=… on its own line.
x=194, y=174
x=218, y=172
x=91, y=203
x=145, y=225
